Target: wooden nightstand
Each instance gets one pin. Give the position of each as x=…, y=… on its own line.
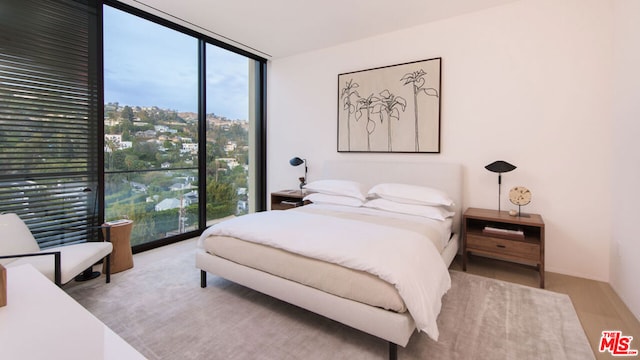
x=498, y=235
x=287, y=199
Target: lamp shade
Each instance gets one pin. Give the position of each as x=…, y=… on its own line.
x=500, y=167
x=296, y=161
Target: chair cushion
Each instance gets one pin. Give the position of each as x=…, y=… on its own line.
x=15, y=237
x=74, y=259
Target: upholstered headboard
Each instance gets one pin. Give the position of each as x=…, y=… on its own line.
x=444, y=176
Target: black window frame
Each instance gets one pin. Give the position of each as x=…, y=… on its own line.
x=87, y=194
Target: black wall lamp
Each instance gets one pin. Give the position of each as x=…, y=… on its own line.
x=500, y=167
x=296, y=161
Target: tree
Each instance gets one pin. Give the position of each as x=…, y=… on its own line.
x=221, y=200
x=127, y=114
x=113, y=147
x=146, y=151
x=132, y=162
x=144, y=116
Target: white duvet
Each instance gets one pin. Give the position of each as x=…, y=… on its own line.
x=406, y=259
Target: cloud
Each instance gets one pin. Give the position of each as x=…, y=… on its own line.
x=147, y=64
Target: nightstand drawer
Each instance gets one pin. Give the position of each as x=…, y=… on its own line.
x=520, y=249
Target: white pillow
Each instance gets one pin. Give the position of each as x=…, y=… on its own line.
x=431, y=212
x=338, y=187
x=319, y=198
x=411, y=194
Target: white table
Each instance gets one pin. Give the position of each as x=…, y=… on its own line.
x=40, y=321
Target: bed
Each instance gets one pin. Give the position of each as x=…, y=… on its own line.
x=377, y=312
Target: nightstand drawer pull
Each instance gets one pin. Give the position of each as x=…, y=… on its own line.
x=501, y=246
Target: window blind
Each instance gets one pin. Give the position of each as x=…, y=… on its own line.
x=50, y=117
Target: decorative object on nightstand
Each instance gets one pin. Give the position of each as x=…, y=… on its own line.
x=504, y=237
x=297, y=161
x=500, y=167
x=520, y=196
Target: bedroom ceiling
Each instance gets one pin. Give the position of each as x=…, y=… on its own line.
x=279, y=28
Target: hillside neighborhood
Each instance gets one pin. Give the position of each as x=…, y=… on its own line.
x=151, y=166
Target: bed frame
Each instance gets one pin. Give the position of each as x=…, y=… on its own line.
x=396, y=328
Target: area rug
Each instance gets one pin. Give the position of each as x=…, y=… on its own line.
x=160, y=309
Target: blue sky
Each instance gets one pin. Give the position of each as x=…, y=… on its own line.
x=146, y=64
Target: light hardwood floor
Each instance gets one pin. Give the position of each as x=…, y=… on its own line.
x=597, y=305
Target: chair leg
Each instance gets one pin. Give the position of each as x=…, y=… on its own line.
x=57, y=269
x=87, y=274
x=108, y=268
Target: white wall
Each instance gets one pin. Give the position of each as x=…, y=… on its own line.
x=528, y=82
x=625, y=163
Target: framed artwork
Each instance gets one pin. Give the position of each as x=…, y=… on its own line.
x=390, y=109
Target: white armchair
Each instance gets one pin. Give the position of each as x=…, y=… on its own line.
x=60, y=264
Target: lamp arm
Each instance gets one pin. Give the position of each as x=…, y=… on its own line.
x=306, y=169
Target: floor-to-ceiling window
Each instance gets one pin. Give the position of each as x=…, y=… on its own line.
x=157, y=117
x=150, y=126
x=107, y=112
x=230, y=120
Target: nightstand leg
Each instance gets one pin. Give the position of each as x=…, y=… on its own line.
x=464, y=261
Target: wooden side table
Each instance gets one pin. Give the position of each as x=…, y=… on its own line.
x=120, y=234
x=288, y=199
x=498, y=235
